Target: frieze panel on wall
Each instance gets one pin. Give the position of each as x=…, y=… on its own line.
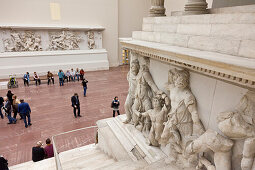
x=53, y=39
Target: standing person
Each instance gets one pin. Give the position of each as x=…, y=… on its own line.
x=26, y=79
x=77, y=73
x=3, y=163
x=8, y=110
x=50, y=77
x=84, y=84
x=38, y=152
x=15, y=105
x=115, y=105
x=48, y=149
x=25, y=111
x=61, y=77
x=75, y=104
x=82, y=74
x=73, y=74
x=37, y=79
x=1, y=105
x=9, y=96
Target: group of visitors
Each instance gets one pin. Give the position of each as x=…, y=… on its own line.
x=11, y=104
x=70, y=76
x=37, y=79
x=39, y=153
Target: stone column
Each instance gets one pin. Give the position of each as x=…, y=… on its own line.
x=194, y=7
x=157, y=8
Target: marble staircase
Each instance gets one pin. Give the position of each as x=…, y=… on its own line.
x=84, y=158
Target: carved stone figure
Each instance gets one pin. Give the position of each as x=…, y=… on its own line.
x=158, y=115
x=131, y=77
x=213, y=141
x=27, y=41
x=183, y=123
x=144, y=92
x=91, y=40
x=66, y=40
x=240, y=124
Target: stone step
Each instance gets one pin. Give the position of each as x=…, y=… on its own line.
x=235, y=9
x=77, y=152
x=124, y=165
x=230, y=46
x=90, y=161
x=149, y=153
x=46, y=164
x=232, y=18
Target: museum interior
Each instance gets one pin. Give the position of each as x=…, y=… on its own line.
x=127, y=84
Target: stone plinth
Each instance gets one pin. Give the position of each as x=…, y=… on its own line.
x=194, y=7
x=157, y=8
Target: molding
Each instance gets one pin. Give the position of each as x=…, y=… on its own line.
x=235, y=74
x=51, y=27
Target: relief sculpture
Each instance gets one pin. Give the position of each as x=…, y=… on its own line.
x=27, y=41
x=91, y=40
x=65, y=40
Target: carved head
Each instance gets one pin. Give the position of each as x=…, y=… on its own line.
x=135, y=67
x=180, y=78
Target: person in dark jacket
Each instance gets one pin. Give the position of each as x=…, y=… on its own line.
x=84, y=84
x=9, y=96
x=115, y=105
x=25, y=111
x=1, y=105
x=75, y=104
x=8, y=110
x=38, y=153
x=3, y=163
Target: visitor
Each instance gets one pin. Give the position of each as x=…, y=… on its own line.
x=61, y=76
x=9, y=96
x=26, y=79
x=25, y=111
x=15, y=104
x=75, y=104
x=48, y=149
x=50, y=77
x=68, y=76
x=8, y=110
x=73, y=74
x=3, y=163
x=37, y=79
x=77, y=73
x=38, y=152
x=82, y=74
x=115, y=105
x=84, y=84
x=1, y=106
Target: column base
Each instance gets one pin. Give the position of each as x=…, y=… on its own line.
x=195, y=8
x=157, y=11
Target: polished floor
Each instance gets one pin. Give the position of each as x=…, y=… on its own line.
x=52, y=113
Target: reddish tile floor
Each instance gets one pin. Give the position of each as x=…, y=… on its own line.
x=52, y=112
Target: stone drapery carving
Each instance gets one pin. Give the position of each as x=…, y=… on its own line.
x=157, y=8
x=183, y=123
x=144, y=92
x=91, y=40
x=131, y=77
x=27, y=41
x=240, y=124
x=193, y=7
x=65, y=40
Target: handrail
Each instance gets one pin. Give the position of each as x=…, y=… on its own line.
x=56, y=155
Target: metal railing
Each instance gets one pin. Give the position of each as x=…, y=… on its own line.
x=56, y=154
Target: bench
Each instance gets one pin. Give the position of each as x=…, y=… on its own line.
x=43, y=79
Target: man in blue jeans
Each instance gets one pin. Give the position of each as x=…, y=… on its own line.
x=25, y=111
x=84, y=84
